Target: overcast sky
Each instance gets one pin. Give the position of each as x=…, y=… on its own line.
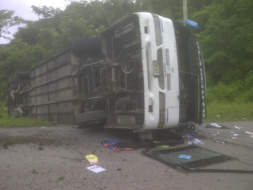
x=23, y=9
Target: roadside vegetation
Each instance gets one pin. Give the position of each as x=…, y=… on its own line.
x=226, y=37
x=229, y=111
x=7, y=121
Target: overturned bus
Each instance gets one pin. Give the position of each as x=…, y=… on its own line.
x=145, y=72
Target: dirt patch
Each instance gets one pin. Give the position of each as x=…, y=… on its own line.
x=39, y=139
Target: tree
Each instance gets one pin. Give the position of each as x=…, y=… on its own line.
x=7, y=20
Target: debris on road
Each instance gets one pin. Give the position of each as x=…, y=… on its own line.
x=119, y=147
x=109, y=142
x=250, y=133
x=236, y=135
x=197, y=141
x=237, y=127
x=221, y=142
x=216, y=126
x=191, y=137
x=186, y=157
x=201, y=158
x=116, y=145
x=92, y=159
x=96, y=169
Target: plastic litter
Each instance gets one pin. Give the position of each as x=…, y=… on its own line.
x=250, y=133
x=189, y=142
x=237, y=127
x=236, y=135
x=244, y=119
x=216, y=126
x=92, y=159
x=186, y=157
x=190, y=137
x=96, y=169
x=197, y=141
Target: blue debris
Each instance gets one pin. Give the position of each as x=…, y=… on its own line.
x=187, y=157
x=192, y=25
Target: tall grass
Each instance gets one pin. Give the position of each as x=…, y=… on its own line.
x=229, y=111
x=7, y=121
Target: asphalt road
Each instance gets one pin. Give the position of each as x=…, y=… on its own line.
x=62, y=164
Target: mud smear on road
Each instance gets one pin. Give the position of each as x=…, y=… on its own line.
x=39, y=139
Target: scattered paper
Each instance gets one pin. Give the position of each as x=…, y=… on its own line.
x=218, y=132
x=189, y=142
x=215, y=125
x=197, y=141
x=187, y=157
x=236, y=135
x=92, y=159
x=237, y=127
x=96, y=169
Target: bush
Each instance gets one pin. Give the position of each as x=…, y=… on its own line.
x=222, y=92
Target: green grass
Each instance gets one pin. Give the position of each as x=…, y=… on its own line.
x=6, y=121
x=233, y=111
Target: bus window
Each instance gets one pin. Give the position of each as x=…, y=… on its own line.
x=158, y=32
x=161, y=69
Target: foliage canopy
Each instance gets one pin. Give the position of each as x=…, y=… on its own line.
x=226, y=36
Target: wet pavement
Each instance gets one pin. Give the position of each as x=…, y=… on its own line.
x=61, y=163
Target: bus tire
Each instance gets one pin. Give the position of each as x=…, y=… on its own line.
x=91, y=117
